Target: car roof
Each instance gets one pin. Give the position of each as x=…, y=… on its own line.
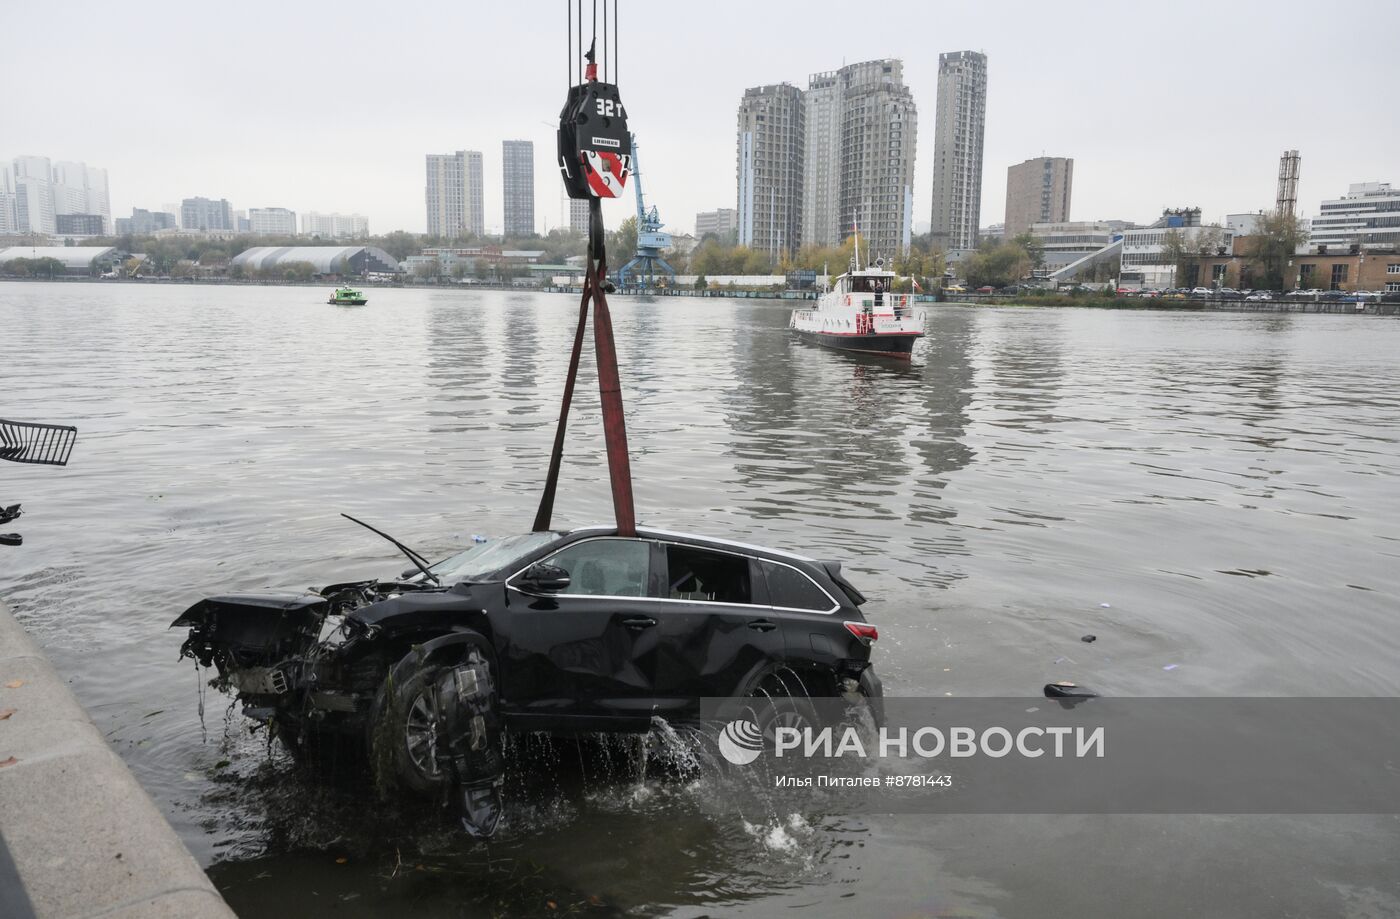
x=653, y=533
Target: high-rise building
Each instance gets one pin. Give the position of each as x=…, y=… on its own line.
x=7, y=200
x=578, y=215
x=1365, y=216
x=81, y=189
x=454, y=194
x=33, y=195
x=272, y=221
x=80, y=224
x=771, y=141
x=722, y=223
x=821, y=174
x=957, y=148
x=518, y=168
x=145, y=223
x=1038, y=191
x=879, y=122
x=861, y=124
x=207, y=215
x=334, y=226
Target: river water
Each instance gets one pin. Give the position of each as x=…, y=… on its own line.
x=1214, y=494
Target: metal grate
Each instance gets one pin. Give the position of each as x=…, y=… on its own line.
x=41, y=444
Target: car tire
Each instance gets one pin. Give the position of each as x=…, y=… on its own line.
x=779, y=697
x=408, y=748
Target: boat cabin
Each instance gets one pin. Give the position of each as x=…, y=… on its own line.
x=867, y=281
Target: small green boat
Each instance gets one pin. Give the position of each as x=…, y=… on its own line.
x=348, y=296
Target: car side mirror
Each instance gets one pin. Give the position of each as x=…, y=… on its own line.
x=544, y=579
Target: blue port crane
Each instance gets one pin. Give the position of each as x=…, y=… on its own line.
x=651, y=239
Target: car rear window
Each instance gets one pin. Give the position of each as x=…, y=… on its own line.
x=791, y=588
x=711, y=577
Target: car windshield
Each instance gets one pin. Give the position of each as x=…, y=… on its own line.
x=490, y=556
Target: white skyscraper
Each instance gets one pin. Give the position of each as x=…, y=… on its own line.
x=7, y=200
x=957, y=148
x=272, y=221
x=81, y=189
x=33, y=176
x=334, y=226
x=454, y=194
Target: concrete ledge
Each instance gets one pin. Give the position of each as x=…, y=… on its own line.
x=85, y=838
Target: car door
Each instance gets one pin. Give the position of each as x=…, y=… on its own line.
x=716, y=631
x=584, y=651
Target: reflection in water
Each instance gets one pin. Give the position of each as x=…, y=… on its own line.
x=1030, y=477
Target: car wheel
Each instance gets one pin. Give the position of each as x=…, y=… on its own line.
x=780, y=698
x=434, y=722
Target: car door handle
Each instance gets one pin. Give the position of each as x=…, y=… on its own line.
x=763, y=625
x=639, y=623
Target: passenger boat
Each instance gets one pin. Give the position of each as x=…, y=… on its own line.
x=860, y=313
x=348, y=296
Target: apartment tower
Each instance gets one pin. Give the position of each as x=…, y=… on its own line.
x=454, y=194
x=957, y=148
x=1038, y=191
x=518, y=157
x=771, y=138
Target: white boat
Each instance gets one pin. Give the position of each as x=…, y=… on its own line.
x=860, y=313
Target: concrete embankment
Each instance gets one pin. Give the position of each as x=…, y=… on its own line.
x=79, y=837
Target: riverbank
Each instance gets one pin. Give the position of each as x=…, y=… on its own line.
x=1216, y=306
x=1049, y=300
x=78, y=836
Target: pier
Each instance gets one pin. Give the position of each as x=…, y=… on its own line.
x=79, y=837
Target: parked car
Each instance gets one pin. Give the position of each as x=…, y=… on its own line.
x=986, y=289
x=1009, y=289
x=1259, y=295
x=561, y=632
x=1333, y=295
x=955, y=289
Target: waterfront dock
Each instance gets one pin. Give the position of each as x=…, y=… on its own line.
x=79, y=837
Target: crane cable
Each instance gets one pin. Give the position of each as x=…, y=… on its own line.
x=605, y=350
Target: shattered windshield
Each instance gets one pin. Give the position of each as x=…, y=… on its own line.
x=490, y=556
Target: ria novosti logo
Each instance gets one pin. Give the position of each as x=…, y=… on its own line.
x=740, y=742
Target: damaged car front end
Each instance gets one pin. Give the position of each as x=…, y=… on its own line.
x=571, y=632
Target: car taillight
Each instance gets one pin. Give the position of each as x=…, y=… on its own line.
x=863, y=630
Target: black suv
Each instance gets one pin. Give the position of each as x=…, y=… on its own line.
x=558, y=632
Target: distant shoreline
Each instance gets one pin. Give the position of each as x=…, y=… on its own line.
x=975, y=300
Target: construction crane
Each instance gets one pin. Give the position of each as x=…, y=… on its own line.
x=650, y=238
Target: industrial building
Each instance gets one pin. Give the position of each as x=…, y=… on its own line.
x=1368, y=215
x=81, y=261
x=325, y=260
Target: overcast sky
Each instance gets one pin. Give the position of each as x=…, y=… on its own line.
x=331, y=107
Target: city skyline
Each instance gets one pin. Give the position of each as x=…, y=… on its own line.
x=1111, y=92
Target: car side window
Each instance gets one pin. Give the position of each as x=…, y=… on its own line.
x=605, y=567
x=710, y=577
x=791, y=588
